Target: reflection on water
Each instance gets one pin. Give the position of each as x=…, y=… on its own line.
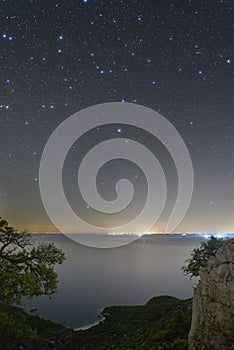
x=91, y=278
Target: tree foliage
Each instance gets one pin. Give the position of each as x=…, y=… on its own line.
x=200, y=256
x=15, y=330
x=26, y=270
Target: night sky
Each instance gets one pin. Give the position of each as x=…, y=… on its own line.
x=58, y=57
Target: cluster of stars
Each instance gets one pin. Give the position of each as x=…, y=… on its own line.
x=61, y=57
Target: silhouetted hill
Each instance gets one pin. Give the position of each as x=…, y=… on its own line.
x=162, y=323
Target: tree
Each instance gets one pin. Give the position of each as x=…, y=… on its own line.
x=26, y=270
x=200, y=256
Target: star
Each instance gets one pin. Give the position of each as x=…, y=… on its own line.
x=97, y=52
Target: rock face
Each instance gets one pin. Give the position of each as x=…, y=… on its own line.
x=212, y=325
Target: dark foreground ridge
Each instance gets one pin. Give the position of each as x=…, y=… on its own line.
x=163, y=323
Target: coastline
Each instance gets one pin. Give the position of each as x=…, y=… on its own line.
x=88, y=326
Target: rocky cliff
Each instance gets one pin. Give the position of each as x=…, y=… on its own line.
x=213, y=303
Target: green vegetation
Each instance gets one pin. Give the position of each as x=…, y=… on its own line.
x=162, y=324
x=20, y=330
x=25, y=271
x=200, y=256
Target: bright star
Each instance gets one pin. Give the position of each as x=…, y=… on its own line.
x=200, y=72
x=59, y=51
x=119, y=130
x=102, y=71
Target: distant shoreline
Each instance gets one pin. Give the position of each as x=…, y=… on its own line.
x=192, y=234
x=88, y=326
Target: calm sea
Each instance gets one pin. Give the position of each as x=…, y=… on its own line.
x=92, y=278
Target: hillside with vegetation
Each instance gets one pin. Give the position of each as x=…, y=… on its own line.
x=163, y=323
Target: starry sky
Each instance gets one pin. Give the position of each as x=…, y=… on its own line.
x=58, y=57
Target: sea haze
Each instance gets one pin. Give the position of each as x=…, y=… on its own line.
x=93, y=278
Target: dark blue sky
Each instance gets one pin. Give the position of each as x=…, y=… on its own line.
x=58, y=57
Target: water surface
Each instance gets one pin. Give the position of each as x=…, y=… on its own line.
x=92, y=278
